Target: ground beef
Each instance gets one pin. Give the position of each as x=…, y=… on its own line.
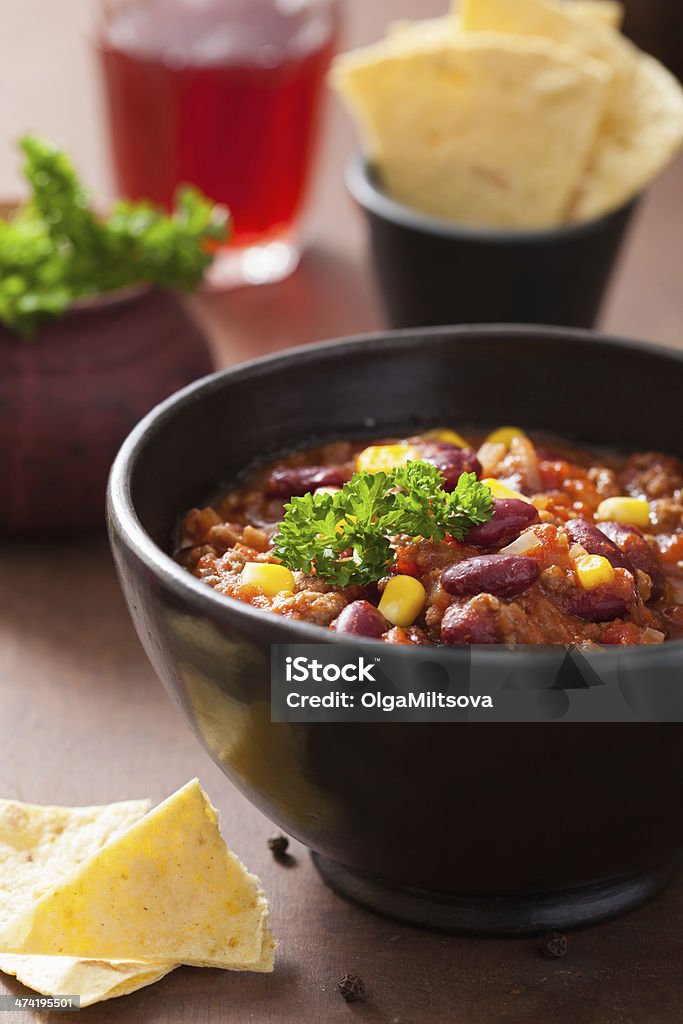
x=652, y=475
x=311, y=606
x=667, y=513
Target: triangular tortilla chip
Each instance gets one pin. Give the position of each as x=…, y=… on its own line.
x=638, y=138
x=609, y=12
x=485, y=129
x=642, y=125
x=168, y=889
x=92, y=980
x=38, y=847
x=556, y=20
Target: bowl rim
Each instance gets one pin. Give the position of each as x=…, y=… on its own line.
x=123, y=521
x=361, y=183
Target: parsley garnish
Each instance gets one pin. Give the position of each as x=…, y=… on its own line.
x=346, y=537
x=56, y=249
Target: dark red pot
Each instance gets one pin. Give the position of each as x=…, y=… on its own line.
x=70, y=394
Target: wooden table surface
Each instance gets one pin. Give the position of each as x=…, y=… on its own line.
x=83, y=718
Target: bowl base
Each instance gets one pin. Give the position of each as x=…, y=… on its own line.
x=498, y=915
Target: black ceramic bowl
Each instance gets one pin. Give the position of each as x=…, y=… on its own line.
x=431, y=271
x=476, y=827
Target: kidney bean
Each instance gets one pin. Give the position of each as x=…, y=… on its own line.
x=293, y=481
x=597, y=605
x=597, y=543
x=502, y=575
x=450, y=460
x=510, y=517
x=639, y=553
x=469, y=623
x=361, y=618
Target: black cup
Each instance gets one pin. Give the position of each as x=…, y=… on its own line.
x=434, y=272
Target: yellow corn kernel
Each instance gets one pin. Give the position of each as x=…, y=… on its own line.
x=382, y=458
x=339, y=528
x=593, y=570
x=504, y=435
x=446, y=434
x=501, y=490
x=635, y=511
x=402, y=601
x=272, y=579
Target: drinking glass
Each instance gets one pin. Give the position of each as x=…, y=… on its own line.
x=225, y=94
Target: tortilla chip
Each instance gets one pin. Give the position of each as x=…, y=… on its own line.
x=609, y=12
x=266, y=961
x=638, y=138
x=484, y=129
x=168, y=889
x=642, y=125
x=38, y=847
x=93, y=980
x=557, y=20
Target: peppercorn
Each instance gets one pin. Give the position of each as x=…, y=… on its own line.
x=351, y=988
x=278, y=845
x=555, y=944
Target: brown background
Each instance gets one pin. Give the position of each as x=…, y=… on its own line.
x=84, y=720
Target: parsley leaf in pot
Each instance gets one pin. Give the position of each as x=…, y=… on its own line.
x=57, y=249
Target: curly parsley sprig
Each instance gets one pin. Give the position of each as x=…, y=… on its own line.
x=57, y=248
x=346, y=537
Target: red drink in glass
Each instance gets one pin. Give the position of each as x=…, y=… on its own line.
x=224, y=94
